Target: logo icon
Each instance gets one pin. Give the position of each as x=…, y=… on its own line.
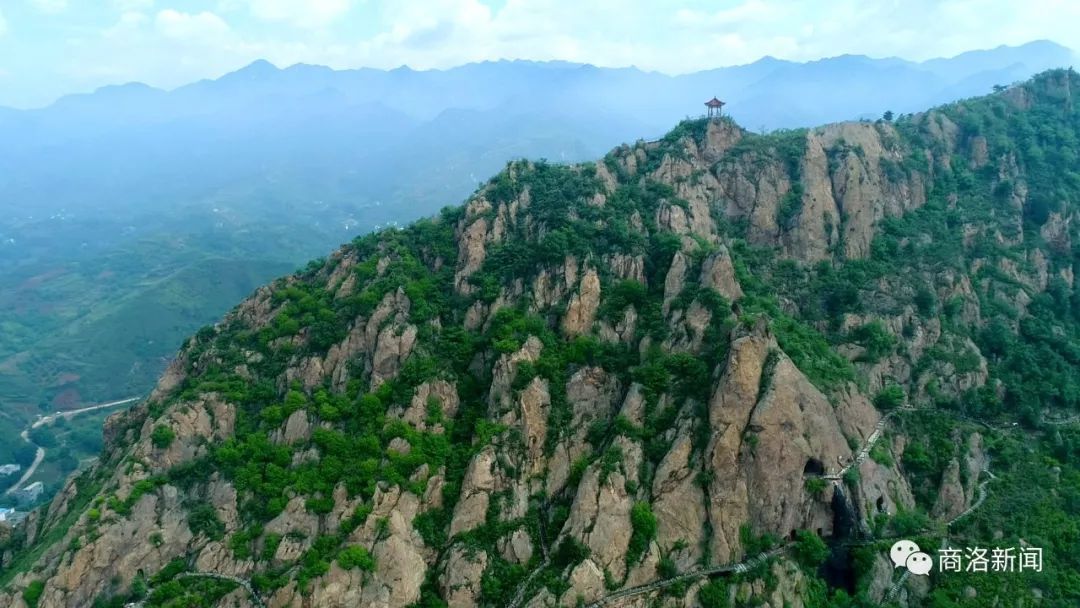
x=901, y=550
x=919, y=563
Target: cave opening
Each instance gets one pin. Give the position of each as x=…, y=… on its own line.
x=814, y=467
x=839, y=570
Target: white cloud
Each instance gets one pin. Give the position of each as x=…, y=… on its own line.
x=132, y=5
x=166, y=45
x=753, y=10
x=301, y=13
x=190, y=26
x=129, y=22
x=50, y=6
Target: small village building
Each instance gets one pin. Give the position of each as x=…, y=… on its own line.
x=30, y=493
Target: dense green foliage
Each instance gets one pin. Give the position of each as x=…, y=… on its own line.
x=162, y=436
x=32, y=593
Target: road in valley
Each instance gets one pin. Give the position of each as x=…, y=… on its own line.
x=43, y=420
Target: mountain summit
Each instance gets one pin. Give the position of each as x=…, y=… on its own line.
x=714, y=369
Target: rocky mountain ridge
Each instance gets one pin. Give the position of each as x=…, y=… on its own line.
x=593, y=377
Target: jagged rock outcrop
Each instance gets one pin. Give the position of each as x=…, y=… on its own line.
x=717, y=272
x=581, y=310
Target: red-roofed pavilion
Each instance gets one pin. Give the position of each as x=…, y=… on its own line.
x=715, y=107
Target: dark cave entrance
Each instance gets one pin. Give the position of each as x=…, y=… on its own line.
x=814, y=467
x=838, y=570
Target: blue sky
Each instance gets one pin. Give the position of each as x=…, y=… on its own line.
x=53, y=47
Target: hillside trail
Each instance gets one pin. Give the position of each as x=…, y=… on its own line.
x=836, y=478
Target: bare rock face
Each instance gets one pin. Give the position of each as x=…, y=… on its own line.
x=720, y=136
x=1057, y=232
x=600, y=518
x=437, y=395
x=767, y=430
x=471, y=510
x=402, y=564
x=581, y=311
x=976, y=460
x=386, y=337
x=951, y=500
x=586, y=585
x=809, y=234
x=797, y=424
x=689, y=328
x=500, y=399
x=391, y=350
x=471, y=254
x=717, y=272
x=731, y=405
x=120, y=551
x=534, y=406
x=591, y=393
x=194, y=425
x=679, y=502
x=460, y=581
x=297, y=429
x=295, y=518
x=173, y=376
x=627, y=267
x=339, y=588
x=516, y=547
x=676, y=279
x=754, y=188
x=552, y=284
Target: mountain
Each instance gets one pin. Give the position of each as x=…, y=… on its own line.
x=324, y=155
x=266, y=167
x=715, y=369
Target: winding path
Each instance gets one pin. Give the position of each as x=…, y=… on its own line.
x=255, y=599
x=43, y=420
x=224, y=577
x=860, y=456
x=1060, y=421
x=895, y=588
x=740, y=567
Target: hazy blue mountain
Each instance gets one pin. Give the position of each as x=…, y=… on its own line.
x=240, y=176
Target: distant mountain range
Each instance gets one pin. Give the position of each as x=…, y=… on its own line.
x=423, y=138
x=129, y=194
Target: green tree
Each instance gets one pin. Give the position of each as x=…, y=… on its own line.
x=162, y=436
x=32, y=594
x=810, y=550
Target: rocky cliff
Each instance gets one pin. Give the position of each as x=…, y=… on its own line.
x=587, y=380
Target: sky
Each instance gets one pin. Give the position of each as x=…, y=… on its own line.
x=50, y=48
